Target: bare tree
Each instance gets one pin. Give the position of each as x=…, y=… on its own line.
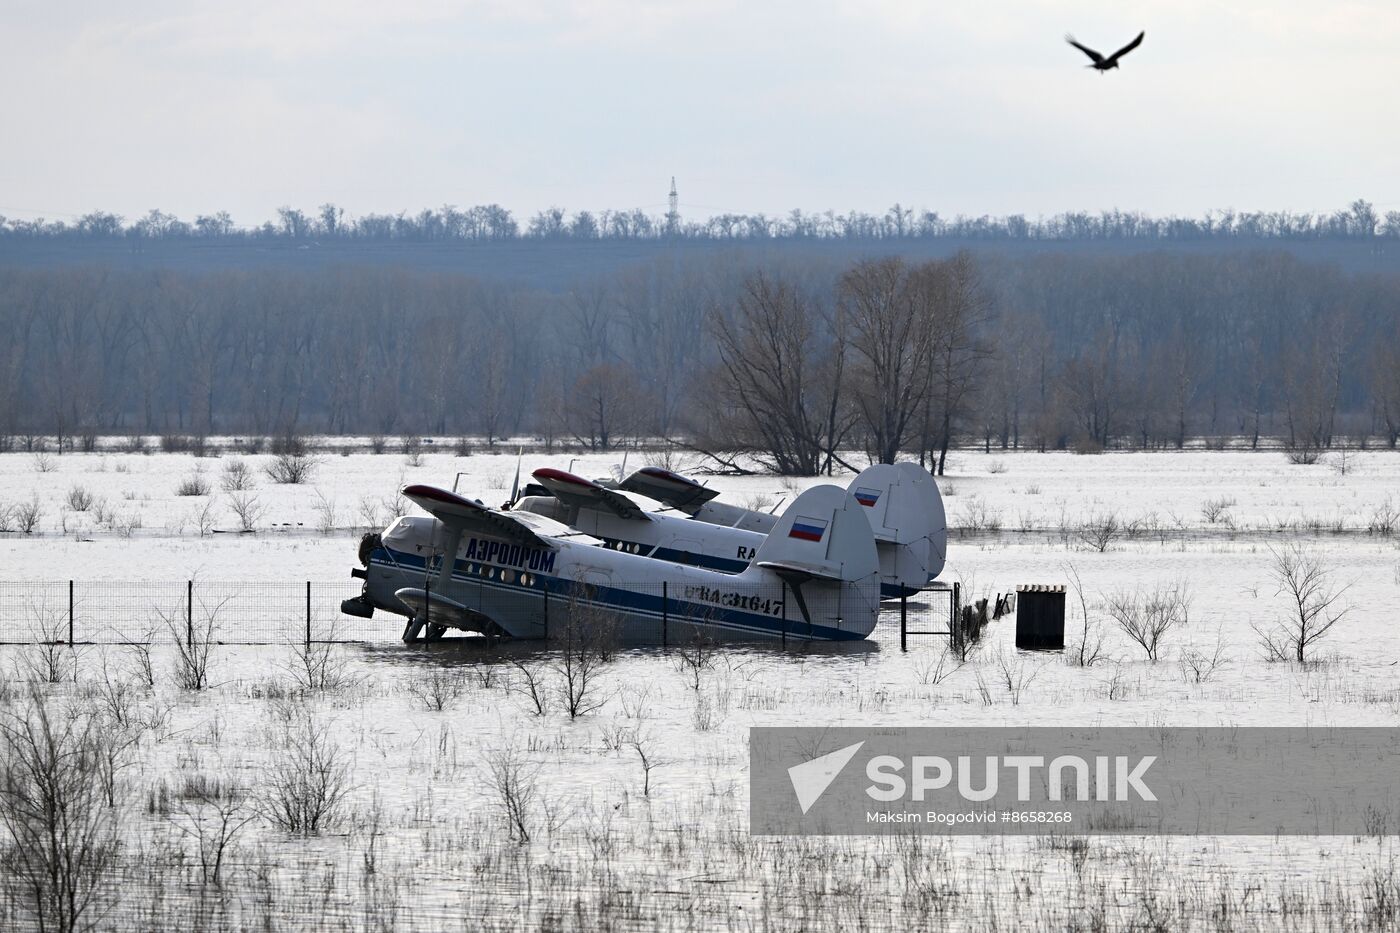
x=1147, y=618
x=64, y=834
x=889, y=310
x=305, y=786
x=213, y=814
x=248, y=508
x=1316, y=604
x=194, y=641
x=584, y=648
x=514, y=780
x=438, y=689
x=530, y=685
x=602, y=406
x=957, y=311
x=1090, y=649
x=778, y=384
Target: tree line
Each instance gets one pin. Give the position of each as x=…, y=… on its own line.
x=494, y=223
x=794, y=361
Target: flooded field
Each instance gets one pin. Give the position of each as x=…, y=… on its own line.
x=373, y=785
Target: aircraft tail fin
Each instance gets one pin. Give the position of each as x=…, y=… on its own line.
x=823, y=535
x=938, y=536
x=898, y=510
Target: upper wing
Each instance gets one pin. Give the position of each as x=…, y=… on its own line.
x=452, y=509
x=1098, y=59
x=575, y=490
x=679, y=492
x=1129, y=47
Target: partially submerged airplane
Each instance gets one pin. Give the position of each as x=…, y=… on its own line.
x=890, y=498
x=688, y=496
x=814, y=577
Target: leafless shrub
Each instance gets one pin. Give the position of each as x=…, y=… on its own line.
x=289, y=442
x=694, y=656
x=514, y=780
x=1033, y=489
x=140, y=650
x=1090, y=649
x=134, y=444
x=371, y=514
x=48, y=658
x=79, y=499
x=317, y=665
x=1213, y=510
x=996, y=467
x=529, y=685
x=1016, y=675
x=1117, y=683
x=7, y=517
x=1098, y=531
x=1304, y=454
x=291, y=467
x=196, y=484
x=27, y=514
x=1199, y=665
x=65, y=834
x=588, y=639
x=117, y=698
x=1315, y=605
x=247, y=508
x=438, y=689
x=326, y=513
x=759, y=502
x=204, y=517
x=642, y=745
x=977, y=516
x=931, y=670
x=194, y=641
x=1384, y=518
x=378, y=444
x=305, y=786
x=673, y=457
x=213, y=814
x=1147, y=618
x=236, y=476
x=44, y=462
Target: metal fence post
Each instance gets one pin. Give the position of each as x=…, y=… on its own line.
x=665, y=612
x=546, y=610
x=308, y=613
x=189, y=613
x=70, y=613
x=903, y=623
x=784, y=614
x=955, y=624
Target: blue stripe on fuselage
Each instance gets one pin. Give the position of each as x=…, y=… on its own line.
x=678, y=610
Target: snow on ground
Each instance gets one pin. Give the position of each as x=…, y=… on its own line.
x=679, y=857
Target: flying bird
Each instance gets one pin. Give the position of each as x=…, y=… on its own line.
x=1103, y=64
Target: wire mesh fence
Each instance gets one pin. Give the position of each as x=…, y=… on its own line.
x=115, y=612
x=274, y=612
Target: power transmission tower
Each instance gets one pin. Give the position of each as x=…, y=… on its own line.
x=673, y=216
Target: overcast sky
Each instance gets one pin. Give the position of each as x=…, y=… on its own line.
x=959, y=107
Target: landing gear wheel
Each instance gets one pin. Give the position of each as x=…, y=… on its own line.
x=434, y=632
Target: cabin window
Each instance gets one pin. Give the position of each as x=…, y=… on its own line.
x=508, y=576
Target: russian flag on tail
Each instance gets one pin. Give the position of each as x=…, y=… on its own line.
x=808, y=529
x=867, y=497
